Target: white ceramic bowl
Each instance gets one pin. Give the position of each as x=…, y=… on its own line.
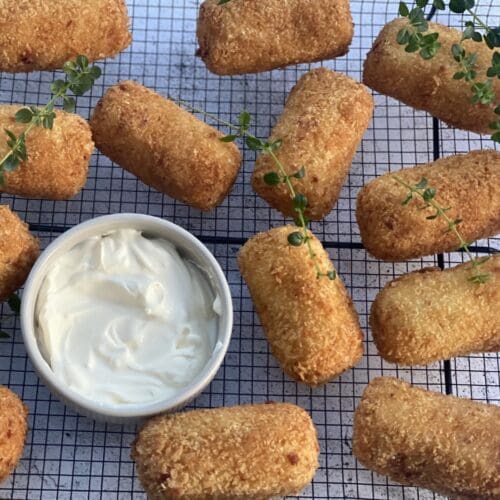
x=190, y=247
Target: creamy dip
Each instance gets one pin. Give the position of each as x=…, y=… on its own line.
x=124, y=319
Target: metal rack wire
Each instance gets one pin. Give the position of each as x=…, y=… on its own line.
x=68, y=456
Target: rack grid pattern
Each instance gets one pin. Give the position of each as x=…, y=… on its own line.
x=71, y=457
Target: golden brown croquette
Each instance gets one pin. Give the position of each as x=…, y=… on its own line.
x=13, y=429
x=429, y=84
x=421, y=438
x=44, y=34
x=238, y=453
x=58, y=159
x=469, y=185
x=249, y=36
x=324, y=119
x=164, y=145
x=432, y=315
x=310, y=322
x=18, y=252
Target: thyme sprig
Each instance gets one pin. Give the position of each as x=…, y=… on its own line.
x=415, y=37
x=428, y=195
x=15, y=306
x=80, y=78
x=275, y=178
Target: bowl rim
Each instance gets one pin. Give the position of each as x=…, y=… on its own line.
x=97, y=226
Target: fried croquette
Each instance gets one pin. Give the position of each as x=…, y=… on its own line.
x=13, y=429
x=44, y=34
x=323, y=122
x=467, y=185
x=18, y=252
x=421, y=438
x=429, y=84
x=432, y=315
x=238, y=453
x=58, y=158
x=310, y=322
x=165, y=146
x=250, y=36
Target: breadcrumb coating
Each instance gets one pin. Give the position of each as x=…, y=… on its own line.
x=429, y=84
x=432, y=315
x=239, y=453
x=421, y=438
x=310, y=323
x=18, y=252
x=469, y=185
x=250, y=36
x=44, y=34
x=13, y=429
x=324, y=119
x=164, y=145
x=58, y=159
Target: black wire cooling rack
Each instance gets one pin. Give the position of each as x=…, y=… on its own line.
x=71, y=457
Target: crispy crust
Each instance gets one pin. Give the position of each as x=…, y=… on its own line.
x=239, y=453
x=18, y=252
x=164, y=145
x=428, y=316
x=58, y=159
x=310, y=323
x=468, y=184
x=429, y=84
x=324, y=119
x=44, y=34
x=422, y=438
x=13, y=429
x=249, y=36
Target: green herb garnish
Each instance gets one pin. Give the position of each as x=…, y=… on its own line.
x=80, y=78
x=15, y=304
x=416, y=38
x=299, y=201
x=428, y=194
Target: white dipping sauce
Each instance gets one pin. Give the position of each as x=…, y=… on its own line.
x=124, y=319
